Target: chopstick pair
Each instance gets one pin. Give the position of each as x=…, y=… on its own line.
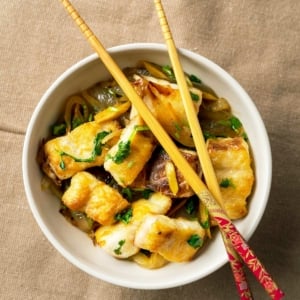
x=226, y=226
x=206, y=165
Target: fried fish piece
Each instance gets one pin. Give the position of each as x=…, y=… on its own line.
x=98, y=200
x=232, y=163
x=176, y=240
x=126, y=159
x=118, y=239
x=80, y=149
x=164, y=101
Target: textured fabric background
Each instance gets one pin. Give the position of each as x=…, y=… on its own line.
x=255, y=41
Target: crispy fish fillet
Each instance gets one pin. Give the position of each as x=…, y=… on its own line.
x=142, y=144
x=232, y=163
x=118, y=239
x=164, y=101
x=176, y=240
x=79, y=144
x=98, y=200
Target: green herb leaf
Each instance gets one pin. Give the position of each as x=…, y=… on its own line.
x=124, y=146
x=122, y=153
x=120, y=245
x=124, y=216
x=205, y=224
x=169, y=72
x=127, y=193
x=132, y=194
x=226, y=182
x=207, y=135
x=195, y=241
x=98, y=142
x=96, y=151
x=191, y=205
x=76, y=122
x=194, y=78
x=245, y=136
x=235, y=124
x=62, y=164
x=195, y=97
x=59, y=129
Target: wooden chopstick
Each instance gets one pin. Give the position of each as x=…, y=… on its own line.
x=192, y=178
x=206, y=164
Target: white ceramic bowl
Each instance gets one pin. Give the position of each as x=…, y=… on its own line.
x=74, y=245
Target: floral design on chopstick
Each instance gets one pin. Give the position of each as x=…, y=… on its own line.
x=249, y=257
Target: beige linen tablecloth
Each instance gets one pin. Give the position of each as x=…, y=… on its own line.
x=255, y=41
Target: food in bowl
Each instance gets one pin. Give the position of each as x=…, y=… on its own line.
x=117, y=184
x=74, y=244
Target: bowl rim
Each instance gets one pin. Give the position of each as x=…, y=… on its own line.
x=80, y=64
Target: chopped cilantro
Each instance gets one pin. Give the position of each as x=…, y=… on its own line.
x=132, y=194
x=59, y=129
x=62, y=165
x=235, y=123
x=169, y=72
x=124, y=216
x=178, y=126
x=122, y=153
x=127, y=193
x=194, y=97
x=207, y=135
x=76, y=122
x=118, y=249
x=191, y=205
x=195, y=241
x=178, y=129
x=205, y=224
x=245, y=136
x=194, y=78
x=96, y=151
x=124, y=146
x=98, y=142
x=226, y=182
x=204, y=216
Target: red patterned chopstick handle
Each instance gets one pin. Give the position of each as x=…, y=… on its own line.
x=238, y=243
x=249, y=258
x=237, y=271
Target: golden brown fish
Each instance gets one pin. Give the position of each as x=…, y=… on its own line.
x=118, y=239
x=126, y=159
x=164, y=101
x=232, y=163
x=80, y=149
x=98, y=200
x=176, y=240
